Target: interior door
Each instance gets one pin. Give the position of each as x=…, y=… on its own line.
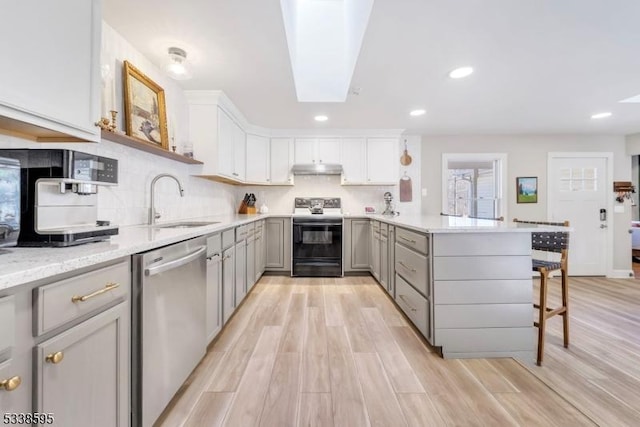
x=577, y=192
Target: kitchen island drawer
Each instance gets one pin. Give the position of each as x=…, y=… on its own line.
x=490, y=340
x=413, y=267
x=460, y=244
x=415, y=306
x=68, y=299
x=418, y=242
x=483, y=315
x=7, y=320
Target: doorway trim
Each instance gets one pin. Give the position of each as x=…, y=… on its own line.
x=608, y=184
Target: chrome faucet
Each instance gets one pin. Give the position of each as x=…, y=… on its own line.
x=153, y=215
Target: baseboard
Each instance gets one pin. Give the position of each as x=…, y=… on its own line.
x=621, y=274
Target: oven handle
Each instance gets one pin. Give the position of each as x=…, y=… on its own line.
x=318, y=224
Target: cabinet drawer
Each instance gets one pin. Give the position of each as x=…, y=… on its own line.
x=59, y=302
x=375, y=225
x=7, y=322
x=483, y=315
x=241, y=233
x=384, y=229
x=416, y=241
x=482, y=291
x=415, y=306
x=250, y=228
x=413, y=267
x=482, y=267
x=228, y=238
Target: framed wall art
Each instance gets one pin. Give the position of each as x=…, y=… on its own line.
x=145, y=112
x=527, y=187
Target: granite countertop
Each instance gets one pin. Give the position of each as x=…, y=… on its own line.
x=24, y=265
x=455, y=224
x=19, y=266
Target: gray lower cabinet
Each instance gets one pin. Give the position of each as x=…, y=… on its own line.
x=251, y=262
x=357, y=242
x=228, y=284
x=375, y=252
x=241, y=271
x=260, y=250
x=278, y=241
x=384, y=261
x=82, y=374
x=214, y=286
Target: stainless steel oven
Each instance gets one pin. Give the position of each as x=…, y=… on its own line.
x=317, y=246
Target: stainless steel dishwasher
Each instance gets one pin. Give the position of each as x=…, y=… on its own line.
x=169, y=337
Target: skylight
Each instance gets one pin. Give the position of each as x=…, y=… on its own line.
x=324, y=39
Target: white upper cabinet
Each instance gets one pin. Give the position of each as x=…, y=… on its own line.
x=317, y=150
x=383, y=158
x=217, y=139
x=239, y=153
x=370, y=161
x=51, y=79
x=354, y=160
x=257, y=159
x=281, y=161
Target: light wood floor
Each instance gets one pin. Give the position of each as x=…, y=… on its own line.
x=337, y=352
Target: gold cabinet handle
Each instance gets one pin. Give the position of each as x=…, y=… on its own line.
x=11, y=384
x=83, y=298
x=226, y=257
x=54, y=358
x=413, y=270
x=402, y=297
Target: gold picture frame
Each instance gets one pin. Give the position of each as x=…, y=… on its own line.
x=145, y=111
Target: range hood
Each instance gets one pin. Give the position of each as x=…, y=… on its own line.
x=316, y=169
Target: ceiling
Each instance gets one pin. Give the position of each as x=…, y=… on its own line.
x=541, y=66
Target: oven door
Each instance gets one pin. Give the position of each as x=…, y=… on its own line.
x=317, y=247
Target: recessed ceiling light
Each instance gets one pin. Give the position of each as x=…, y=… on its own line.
x=461, y=72
x=601, y=115
x=416, y=113
x=321, y=118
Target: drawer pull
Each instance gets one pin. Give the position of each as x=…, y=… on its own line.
x=226, y=257
x=413, y=270
x=11, y=384
x=54, y=358
x=83, y=298
x=407, y=303
x=408, y=240
x=212, y=257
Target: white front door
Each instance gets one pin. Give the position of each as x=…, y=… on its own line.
x=577, y=184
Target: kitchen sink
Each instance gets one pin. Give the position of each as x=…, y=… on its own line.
x=186, y=224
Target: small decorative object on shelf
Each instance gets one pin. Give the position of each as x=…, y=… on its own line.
x=106, y=124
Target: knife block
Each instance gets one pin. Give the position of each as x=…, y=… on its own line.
x=244, y=209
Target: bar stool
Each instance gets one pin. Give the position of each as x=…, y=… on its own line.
x=556, y=242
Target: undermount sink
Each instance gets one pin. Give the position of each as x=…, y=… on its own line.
x=186, y=224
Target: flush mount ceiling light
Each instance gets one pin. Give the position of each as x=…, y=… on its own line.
x=601, y=115
x=461, y=72
x=177, y=67
x=321, y=118
x=416, y=113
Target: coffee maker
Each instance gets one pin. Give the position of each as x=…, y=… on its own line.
x=59, y=202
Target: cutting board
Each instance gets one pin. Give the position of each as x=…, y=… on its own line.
x=406, y=190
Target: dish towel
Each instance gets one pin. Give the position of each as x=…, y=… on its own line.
x=406, y=191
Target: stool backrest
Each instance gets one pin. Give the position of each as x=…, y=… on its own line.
x=549, y=241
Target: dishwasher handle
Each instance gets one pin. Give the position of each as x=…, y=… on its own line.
x=152, y=271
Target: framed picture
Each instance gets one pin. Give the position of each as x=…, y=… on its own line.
x=527, y=187
x=145, y=114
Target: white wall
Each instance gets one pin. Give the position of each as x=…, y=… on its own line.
x=527, y=156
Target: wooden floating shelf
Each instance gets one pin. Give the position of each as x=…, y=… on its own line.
x=123, y=139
